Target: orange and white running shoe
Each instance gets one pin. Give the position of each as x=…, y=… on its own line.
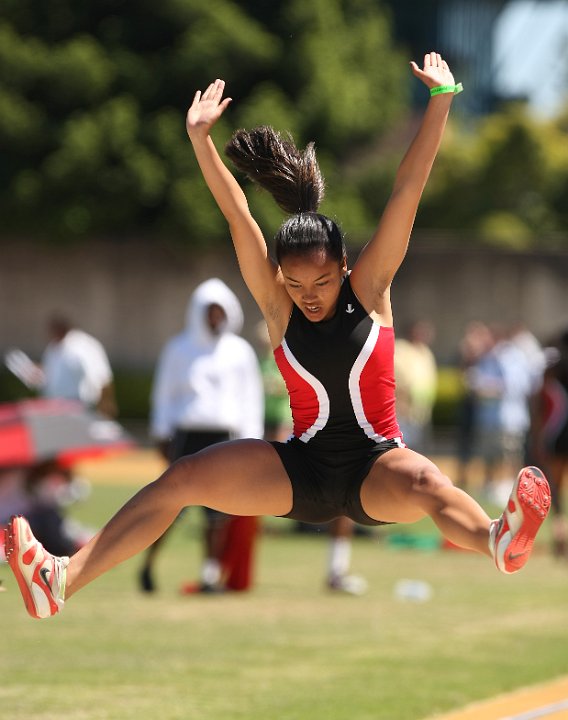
x=511, y=537
x=40, y=575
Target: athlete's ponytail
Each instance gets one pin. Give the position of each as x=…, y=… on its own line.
x=292, y=177
x=294, y=180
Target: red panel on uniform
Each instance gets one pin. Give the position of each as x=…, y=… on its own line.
x=377, y=386
x=303, y=397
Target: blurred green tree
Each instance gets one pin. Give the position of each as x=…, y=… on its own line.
x=94, y=95
x=505, y=182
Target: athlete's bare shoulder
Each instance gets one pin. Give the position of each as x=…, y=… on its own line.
x=374, y=300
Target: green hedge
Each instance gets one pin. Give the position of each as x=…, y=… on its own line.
x=133, y=389
x=11, y=388
x=448, y=398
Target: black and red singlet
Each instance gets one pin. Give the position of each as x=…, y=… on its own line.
x=340, y=377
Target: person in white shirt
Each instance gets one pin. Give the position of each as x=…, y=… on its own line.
x=74, y=366
x=207, y=389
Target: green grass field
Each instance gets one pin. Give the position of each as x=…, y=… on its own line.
x=288, y=650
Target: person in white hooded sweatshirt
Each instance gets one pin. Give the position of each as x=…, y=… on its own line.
x=207, y=389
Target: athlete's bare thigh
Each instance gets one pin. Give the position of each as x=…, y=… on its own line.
x=399, y=486
x=240, y=477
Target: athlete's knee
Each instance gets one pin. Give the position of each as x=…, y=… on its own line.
x=431, y=485
x=175, y=480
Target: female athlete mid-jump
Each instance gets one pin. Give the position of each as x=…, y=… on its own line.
x=333, y=339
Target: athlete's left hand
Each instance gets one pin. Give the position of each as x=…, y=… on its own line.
x=206, y=108
x=435, y=71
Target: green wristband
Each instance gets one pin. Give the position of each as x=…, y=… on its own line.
x=455, y=89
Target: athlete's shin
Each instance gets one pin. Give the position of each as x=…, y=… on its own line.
x=139, y=523
x=458, y=516
x=463, y=521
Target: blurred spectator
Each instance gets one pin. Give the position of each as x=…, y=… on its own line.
x=416, y=384
x=549, y=434
x=534, y=354
x=74, y=366
x=52, y=488
x=479, y=411
x=14, y=500
x=500, y=376
x=518, y=384
x=43, y=492
x=339, y=578
x=207, y=389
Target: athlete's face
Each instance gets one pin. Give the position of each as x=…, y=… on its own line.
x=313, y=282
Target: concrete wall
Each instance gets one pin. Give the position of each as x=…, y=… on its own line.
x=132, y=296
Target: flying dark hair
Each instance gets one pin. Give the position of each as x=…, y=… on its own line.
x=294, y=180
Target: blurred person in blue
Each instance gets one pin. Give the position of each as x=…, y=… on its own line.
x=500, y=380
x=332, y=331
x=478, y=420
x=207, y=389
x=532, y=349
x=517, y=387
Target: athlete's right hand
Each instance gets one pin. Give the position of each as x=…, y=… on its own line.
x=206, y=109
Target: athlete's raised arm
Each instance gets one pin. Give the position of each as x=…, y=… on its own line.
x=258, y=270
x=380, y=259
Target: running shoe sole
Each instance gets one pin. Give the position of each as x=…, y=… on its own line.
x=526, y=510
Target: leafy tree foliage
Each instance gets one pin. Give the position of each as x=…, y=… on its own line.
x=502, y=180
x=505, y=182
x=94, y=95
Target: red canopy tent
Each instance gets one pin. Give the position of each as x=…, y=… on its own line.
x=36, y=430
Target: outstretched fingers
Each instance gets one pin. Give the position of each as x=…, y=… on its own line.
x=208, y=92
x=207, y=106
x=432, y=59
x=218, y=88
x=215, y=91
x=196, y=99
x=435, y=70
x=213, y=94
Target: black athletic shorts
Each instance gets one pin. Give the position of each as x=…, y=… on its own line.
x=325, y=487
